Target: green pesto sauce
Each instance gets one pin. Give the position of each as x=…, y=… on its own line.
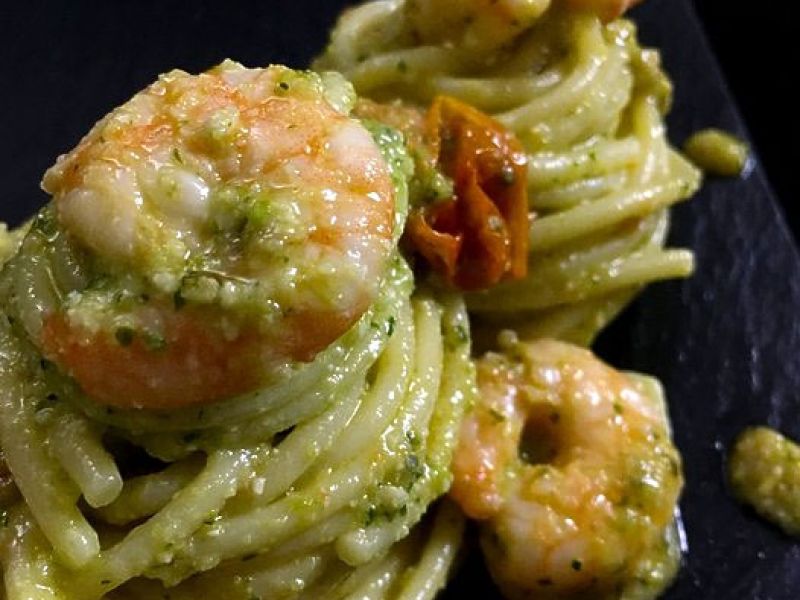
x=401, y=167
x=764, y=472
x=393, y=497
x=717, y=152
x=414, y=480
x=430, y=187
x=655, y=570
x=649, y=76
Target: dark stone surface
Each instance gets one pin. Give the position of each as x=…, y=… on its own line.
x=725, y=343
x=754, y=44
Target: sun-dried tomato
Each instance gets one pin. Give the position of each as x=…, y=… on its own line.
x=480, y=236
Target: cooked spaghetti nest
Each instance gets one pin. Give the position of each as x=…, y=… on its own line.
x=587, y=103
x=306, y=494
x=284, y=215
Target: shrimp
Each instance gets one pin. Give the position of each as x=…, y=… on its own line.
x=477, y=25
x=570, y=468
x=481, y=26
x=233, y=222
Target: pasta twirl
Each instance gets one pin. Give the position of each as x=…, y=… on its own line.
x=342, y=486
x=587, y=103
x=312, y=477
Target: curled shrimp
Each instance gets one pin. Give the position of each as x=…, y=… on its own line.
x=479, y=25
x=233, y=222
x=569, y=466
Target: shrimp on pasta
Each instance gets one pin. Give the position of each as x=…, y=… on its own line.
x=479, y=26
x=235, y=221
x=569, y=465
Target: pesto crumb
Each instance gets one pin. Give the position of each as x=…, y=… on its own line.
x=764, y=472
x=717, y=152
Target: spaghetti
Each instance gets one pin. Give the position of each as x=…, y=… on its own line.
x=312, y=477
x=587, y=103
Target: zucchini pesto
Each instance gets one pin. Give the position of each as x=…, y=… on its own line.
x=235, y=353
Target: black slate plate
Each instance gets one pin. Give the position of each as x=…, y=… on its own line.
x=724, y=343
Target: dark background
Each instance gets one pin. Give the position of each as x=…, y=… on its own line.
x=758, y=50
x=725, y=343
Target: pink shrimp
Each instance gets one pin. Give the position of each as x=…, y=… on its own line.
x=570, y=468
x=253, y=215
